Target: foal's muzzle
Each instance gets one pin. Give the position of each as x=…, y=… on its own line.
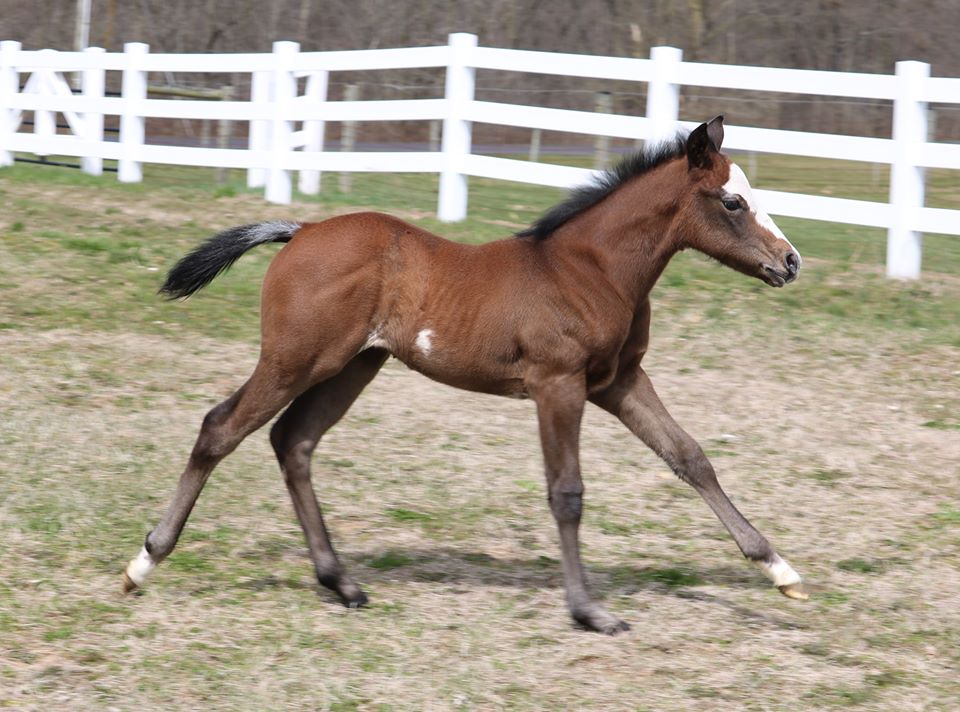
x=792, y=262
x=784, y=273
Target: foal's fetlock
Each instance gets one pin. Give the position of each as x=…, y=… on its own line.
x=138, y=570
x=783, y=576
x=595, y=617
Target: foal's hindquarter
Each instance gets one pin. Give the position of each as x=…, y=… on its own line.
x=559, y=321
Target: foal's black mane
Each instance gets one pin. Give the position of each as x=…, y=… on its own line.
x=586, y=196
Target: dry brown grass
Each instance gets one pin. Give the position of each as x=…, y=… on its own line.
x=837, y=436
x=435, y=500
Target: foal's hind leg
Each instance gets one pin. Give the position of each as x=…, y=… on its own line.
x=634, y=402
x=294, y=437
x=224, y=427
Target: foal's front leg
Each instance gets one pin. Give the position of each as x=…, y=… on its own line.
x=560, y=401
x=632, y=399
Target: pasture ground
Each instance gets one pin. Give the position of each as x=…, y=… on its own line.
x=831, y=410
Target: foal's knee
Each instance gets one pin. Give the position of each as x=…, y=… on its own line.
x=566, y=503
x=293, y=456
x=692, y=466
x=215, y=440
x=278, y=440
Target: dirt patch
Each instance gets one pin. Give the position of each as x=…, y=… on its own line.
x=838, y=438
x=435, y=499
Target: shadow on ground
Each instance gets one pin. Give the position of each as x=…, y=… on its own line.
x=476, y=569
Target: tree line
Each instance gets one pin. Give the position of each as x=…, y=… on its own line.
x=863, y=36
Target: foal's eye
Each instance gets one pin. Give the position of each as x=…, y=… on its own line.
x=731, y=203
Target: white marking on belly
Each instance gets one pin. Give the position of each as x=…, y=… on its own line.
x=374, y=340
x=141, y=567
x=738, y=184
x=779, y=571
x=423, y=341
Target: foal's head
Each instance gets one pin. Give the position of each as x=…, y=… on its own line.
x=720, y=216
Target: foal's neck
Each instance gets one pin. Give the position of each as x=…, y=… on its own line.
x=630, y=234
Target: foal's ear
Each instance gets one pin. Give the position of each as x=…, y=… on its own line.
x=704, y=141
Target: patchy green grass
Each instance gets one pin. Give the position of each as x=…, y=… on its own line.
x=400, y=514
x=842, y=288
x=941, y=425
x=829, y=409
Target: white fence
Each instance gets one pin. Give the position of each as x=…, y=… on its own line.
x=287, y=128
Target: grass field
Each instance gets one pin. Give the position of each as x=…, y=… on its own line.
x=852, y=468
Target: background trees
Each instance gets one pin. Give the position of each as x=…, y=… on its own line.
x=865, y=36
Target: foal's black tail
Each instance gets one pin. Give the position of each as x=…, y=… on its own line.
x=197, y=269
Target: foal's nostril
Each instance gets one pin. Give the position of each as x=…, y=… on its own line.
x=793, y=263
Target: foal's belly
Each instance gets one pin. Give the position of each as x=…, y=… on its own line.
x=479, y=383
x=482, y=377
x=479, y=365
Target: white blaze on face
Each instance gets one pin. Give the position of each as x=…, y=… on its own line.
x=423, y=341
x=738, y=184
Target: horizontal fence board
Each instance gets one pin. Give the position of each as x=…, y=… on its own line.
x=367, y=59
x=359, y=161
x=941, y=90
x=300, y=109
x=302, y=62
x=570, y=65
x=155, y=108
x=180, y=109
x=941, y=220
x=62, y=145
x=30, y=60
x=566, y=120
x=526, y=171
x=362, y=161
x=197, y=156
x=188, y=63
x=820, y=207
x=306, y=109
x=366, y=161
x=803, y=143
x=793, y=81
x=938, y=155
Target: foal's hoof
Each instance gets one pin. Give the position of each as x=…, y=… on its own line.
x=597, y=619
x=796, y=591
x=128, y=585
x=355, y=600
x=616, y=627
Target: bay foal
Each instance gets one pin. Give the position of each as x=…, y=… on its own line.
x=559, y=314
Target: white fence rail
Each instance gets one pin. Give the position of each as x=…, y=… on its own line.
x=287, y=128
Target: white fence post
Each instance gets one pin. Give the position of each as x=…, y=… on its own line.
x=133, y=89
x=259, y=131
x=313, y=131
x=905, y=244
x=279, y=185
x=9, y=87
x=45, y=122
x=663, y=93
x=455, y=144
x=92, y=84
